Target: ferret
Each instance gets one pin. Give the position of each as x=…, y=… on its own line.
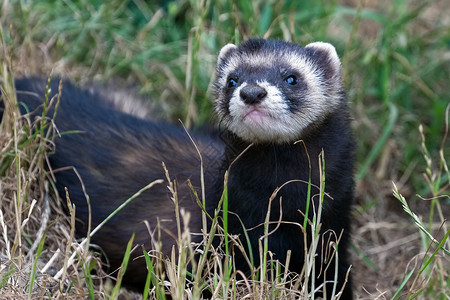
x=282, y=103
x=289, y=104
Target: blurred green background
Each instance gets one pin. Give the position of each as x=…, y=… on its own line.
x=395, y=57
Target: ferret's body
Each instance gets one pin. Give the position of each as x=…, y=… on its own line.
x=116, y=155
x=271, y=94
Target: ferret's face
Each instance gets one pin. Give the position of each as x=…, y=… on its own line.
x=270, y=91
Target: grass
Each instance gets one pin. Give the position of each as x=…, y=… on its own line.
x=396, y=65
x=431, y=265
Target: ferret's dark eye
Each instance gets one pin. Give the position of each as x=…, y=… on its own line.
x=231, y=82
x=292, y=80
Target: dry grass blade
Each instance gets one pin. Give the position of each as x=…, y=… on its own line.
x=416, y=219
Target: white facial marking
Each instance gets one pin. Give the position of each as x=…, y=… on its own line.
x=264, y=121
x=271, y=119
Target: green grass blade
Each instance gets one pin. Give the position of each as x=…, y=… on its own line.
x=151, y=279
x=34, y=270
x=402, y=285
x=87, y=268
x=123, y=268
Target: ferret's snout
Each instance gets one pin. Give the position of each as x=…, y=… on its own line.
x=252, y=94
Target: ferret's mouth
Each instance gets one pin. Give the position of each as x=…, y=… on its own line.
x=255, y=115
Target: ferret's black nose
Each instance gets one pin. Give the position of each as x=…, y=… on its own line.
x=252, y=94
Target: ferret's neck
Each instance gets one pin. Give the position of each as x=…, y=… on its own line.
x=235, y=146
x=287, y=160
x=278, y=162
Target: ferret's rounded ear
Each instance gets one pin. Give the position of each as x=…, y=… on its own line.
x=327, y=57
x=225, y=51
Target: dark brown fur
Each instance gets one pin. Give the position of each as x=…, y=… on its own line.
x=116, y=155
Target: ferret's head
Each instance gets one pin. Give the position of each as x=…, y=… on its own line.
x=271, y=91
